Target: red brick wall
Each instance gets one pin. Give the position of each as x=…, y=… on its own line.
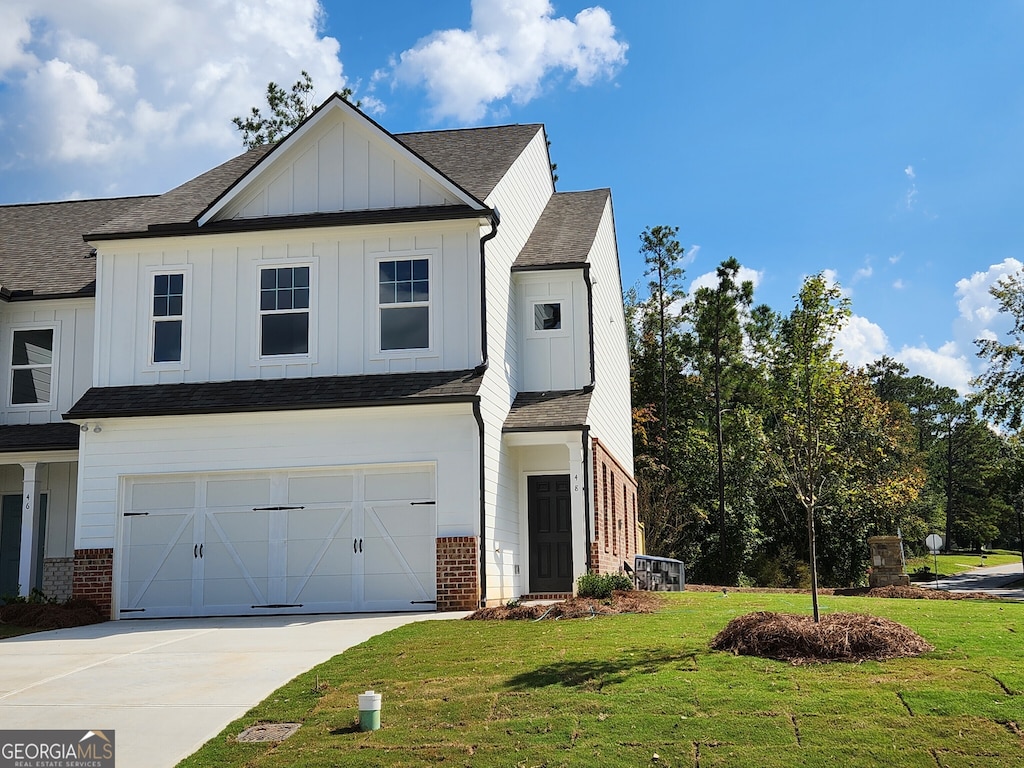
x=94, y=578
x=458, y=573
x=616, y=530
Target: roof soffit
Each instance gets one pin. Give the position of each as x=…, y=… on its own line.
x=318, y=148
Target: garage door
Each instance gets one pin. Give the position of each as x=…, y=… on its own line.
x=286, y=542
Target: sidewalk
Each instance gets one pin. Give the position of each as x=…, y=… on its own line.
x=993, y=580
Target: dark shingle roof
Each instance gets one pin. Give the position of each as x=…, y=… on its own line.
x=474, y=158
x=187, y=202
x=541, y=411
x=565, y=231
x=38, y=437
x=41, y=246
x=277, y=394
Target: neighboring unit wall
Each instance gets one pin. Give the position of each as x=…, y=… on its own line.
x=610, y=404
x=221, y=302
x=615, y=527
x=71, y=374
x=520, y=198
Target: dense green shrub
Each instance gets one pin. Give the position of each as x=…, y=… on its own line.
x=601, y=585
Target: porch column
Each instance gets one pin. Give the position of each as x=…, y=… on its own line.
x=579, y=510
x=29, y=564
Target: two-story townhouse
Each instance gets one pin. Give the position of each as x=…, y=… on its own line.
x=351, y=371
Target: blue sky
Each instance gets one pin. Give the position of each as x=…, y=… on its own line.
x=878, y=141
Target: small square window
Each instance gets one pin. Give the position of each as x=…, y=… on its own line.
x=547, y=317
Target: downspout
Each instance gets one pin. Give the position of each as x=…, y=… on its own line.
x=586, y=491
x=483, y=505
x=495, y=219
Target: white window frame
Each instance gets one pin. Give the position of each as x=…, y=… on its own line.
x=55, y=352
x=429, y=303
x=186, y=271
x=311, y=334
x=540, y=333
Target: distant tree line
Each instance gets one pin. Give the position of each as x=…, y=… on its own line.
x=758, y=448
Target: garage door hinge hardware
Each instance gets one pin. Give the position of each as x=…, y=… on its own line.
x=278, y=605
x=421, y=503
x=135, y=514
x=273, y=509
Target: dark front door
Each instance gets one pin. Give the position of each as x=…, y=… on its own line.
x=10, y=545
x=550, y=512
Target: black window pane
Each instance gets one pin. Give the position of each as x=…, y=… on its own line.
x=284, y=278
x=160, y=285
x=405, y=328
x=420, y=290
x=176, y=284
x=285, y=334
x=403, y=292
x=547, y=317
x=268, y=278
x=33, y=347
x=284, y=299
x=387, y=271
x=403, y=270
x=387, y=293
x=300, y=298
x=31, y=386
x=174, y=305
x=301, y=277
x=419, y=269
x=159, y=306
x=268, y=300
x=167, y=342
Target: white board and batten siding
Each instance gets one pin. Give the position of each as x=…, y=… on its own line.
x=558, y=359
x=356, y=473
x=70, y=374
x=221, y=320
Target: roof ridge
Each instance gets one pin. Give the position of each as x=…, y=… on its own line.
x=470, y=128
x=79, y=200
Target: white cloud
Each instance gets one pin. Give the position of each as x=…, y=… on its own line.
x=862, y=274
x=861, y=341
x=710, y=279
x=977, y=306
x=898, y=284
x=510, y=49
x=121, y=91
x=909, y=170
x=946, y=366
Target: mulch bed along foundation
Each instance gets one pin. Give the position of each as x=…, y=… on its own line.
x=627, y=601
x=73, y=613
x=837, y=637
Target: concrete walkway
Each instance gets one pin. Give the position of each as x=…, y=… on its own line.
x=994, y=580
x=166, y=686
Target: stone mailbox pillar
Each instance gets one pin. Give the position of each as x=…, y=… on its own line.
x=886, y=562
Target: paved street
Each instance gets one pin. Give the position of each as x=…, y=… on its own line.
x=994, y=580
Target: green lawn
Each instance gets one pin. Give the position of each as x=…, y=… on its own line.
x=959, y=562
x=615, y=691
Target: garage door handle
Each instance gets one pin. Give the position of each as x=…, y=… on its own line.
x=200, y=551
x=360, y=545
x=195, y=551
x=357, y=545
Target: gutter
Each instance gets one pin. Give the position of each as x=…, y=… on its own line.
x=586, y=492
x=590, y=317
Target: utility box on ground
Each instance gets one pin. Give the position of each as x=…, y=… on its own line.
x=887, y=566
x=660, y=574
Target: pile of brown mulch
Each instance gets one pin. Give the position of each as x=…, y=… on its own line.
x=626, y=601
x=837, y=637
x=73, y=613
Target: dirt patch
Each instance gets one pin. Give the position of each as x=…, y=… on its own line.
x=73, y=613
x=626, y=601
x=915, y=593
x=837, y=637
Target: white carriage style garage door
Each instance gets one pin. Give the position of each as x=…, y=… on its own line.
x=279, y=542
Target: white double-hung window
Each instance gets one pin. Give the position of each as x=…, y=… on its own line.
x=404, y=303
x=168, y=317
x=284, y=311
x=32, y=366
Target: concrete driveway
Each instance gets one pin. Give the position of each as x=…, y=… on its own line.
x=166, y=686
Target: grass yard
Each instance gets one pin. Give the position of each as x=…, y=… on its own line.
x=9, y=630
x=959, y=562
x=615, y=691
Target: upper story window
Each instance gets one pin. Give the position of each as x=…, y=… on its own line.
x=168, y=316
x=284, y=311
x=404, y=301
x=32, y=360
